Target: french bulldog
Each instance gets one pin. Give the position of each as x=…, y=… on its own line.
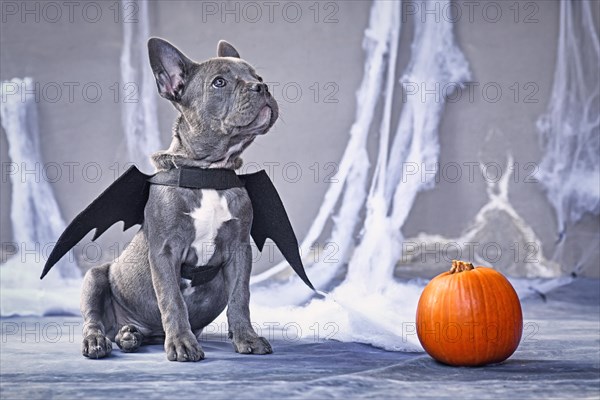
x=141, y=297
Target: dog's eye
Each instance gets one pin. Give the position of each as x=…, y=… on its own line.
x=219, y=82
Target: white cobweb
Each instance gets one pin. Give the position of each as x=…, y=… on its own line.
x=35, y=217
x=369, y=305
x=570, y=129
x=139, y=110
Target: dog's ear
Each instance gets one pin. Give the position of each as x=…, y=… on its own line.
x=225, y=49
x=170, y=68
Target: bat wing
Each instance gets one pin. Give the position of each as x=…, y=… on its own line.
x=124, y=200
x=271, y=220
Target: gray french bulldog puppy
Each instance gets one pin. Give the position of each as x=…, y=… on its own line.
x=141, y=297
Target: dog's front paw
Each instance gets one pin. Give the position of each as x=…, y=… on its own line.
x=255, y=345
x=184, y=347
x=96, y=346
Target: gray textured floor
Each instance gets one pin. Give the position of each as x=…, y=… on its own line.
x=559, y=357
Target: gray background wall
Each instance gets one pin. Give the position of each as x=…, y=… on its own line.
x=312, y=131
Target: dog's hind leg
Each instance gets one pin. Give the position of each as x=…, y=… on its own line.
x=129, y=339
x=95, y=304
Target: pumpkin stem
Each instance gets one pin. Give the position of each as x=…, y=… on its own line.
x=460, y=266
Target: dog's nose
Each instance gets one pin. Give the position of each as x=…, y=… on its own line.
x=259, y=87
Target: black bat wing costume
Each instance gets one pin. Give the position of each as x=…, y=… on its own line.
x=126, y=199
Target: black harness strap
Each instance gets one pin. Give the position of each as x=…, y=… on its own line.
x=196, y=178
x=199, y=275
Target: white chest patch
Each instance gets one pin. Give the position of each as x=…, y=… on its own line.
x=208, y=218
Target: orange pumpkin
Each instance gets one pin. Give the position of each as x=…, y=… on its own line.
x=469, y=316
